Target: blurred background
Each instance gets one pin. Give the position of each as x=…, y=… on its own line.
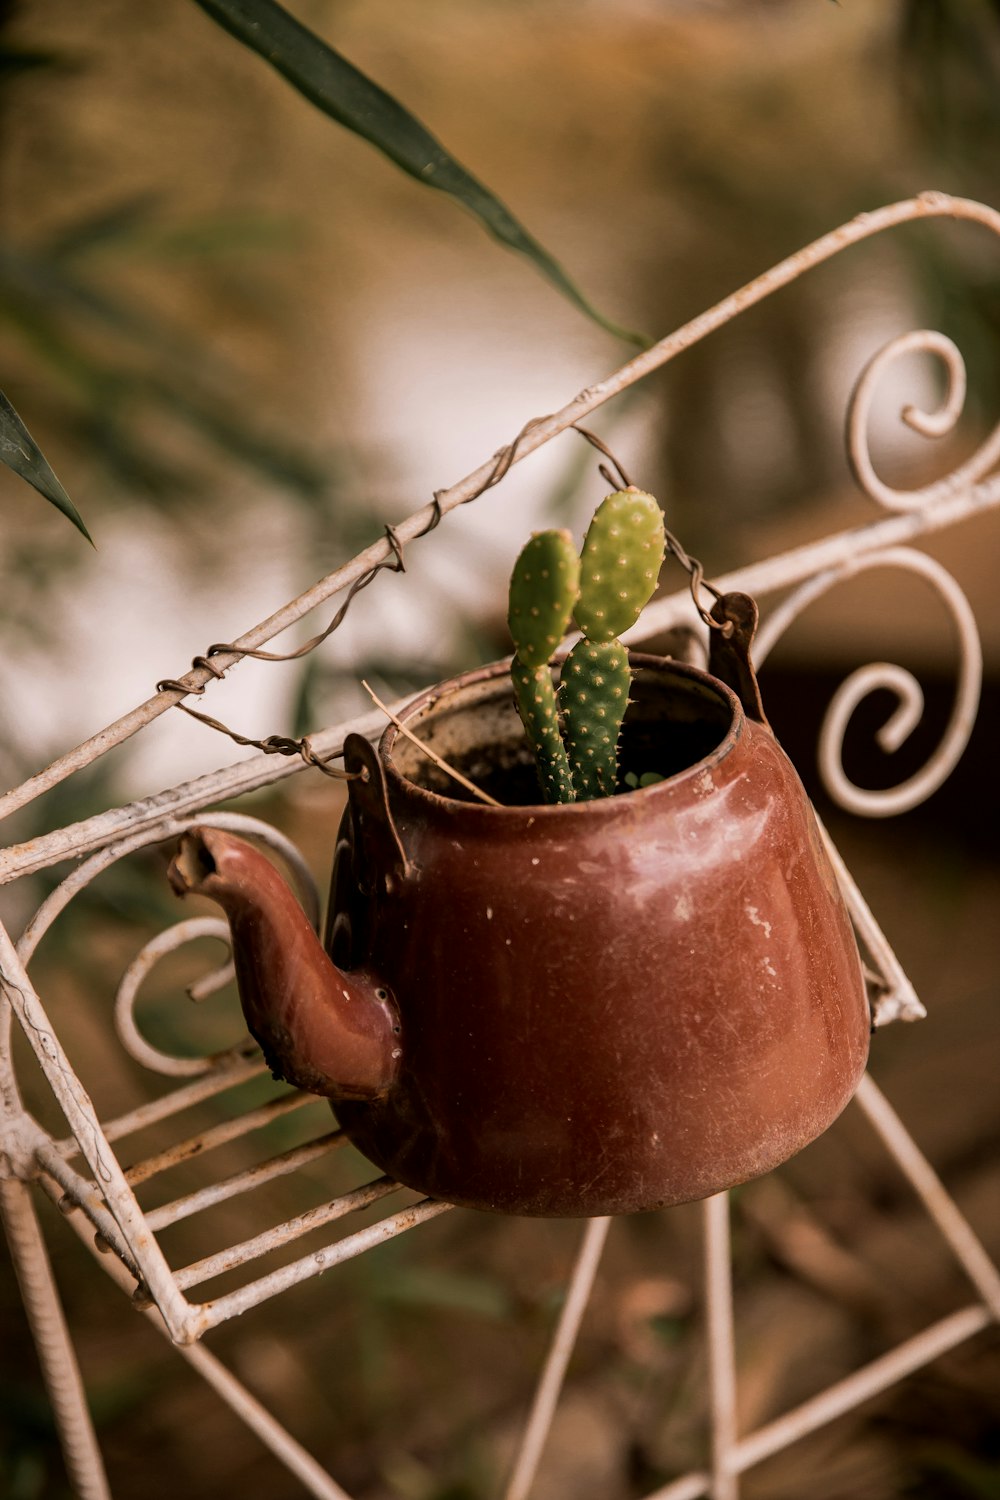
x=245, y=341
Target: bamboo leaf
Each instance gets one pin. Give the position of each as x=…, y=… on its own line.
x=20, y=452
x=355, y=101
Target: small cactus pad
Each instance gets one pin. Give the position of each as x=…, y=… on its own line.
x=536, y=703
x=543, y=590
x=621, y=561
x=593, y=696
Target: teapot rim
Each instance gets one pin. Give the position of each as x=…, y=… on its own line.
x=498, y=671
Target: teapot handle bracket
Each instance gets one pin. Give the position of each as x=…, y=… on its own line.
x=376, y=840
x=729, y=653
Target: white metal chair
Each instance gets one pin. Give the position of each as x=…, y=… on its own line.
x=82, y=1169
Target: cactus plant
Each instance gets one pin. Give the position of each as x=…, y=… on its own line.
x=543, y=590
x=593, y=696
x=621, y=560
x=575, y=736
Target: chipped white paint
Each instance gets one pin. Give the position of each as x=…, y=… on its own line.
x=753, y=913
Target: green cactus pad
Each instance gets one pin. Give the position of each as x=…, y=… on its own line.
x=593, y=696
x=536, y=703
x=543, y=590
x=621, y=561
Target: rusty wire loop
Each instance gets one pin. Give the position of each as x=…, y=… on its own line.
x=280, y=744
x=395, y=562
x=696, y=574
x=622, y=481
x=691, y=565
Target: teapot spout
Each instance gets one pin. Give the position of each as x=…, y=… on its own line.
x=322, y=1030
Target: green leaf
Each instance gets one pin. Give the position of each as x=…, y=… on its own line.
x=355, y=101
x=20, y=452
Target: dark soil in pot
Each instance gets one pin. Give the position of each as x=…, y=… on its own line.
x=669, y=727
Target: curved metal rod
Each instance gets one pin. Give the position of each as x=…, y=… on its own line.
x=910, y=704
x=928, y=424
x=58, y=899
x=148, y=956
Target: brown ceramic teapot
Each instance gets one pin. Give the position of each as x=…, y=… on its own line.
x=577, y=1009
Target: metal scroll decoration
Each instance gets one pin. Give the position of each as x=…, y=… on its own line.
x=915, y=503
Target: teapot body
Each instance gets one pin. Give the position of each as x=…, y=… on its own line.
x=603, y=1006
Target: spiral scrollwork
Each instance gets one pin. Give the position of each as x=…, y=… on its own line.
x=936, y=424
x=175, y=937
x=897, y=680
x=126, y=1025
